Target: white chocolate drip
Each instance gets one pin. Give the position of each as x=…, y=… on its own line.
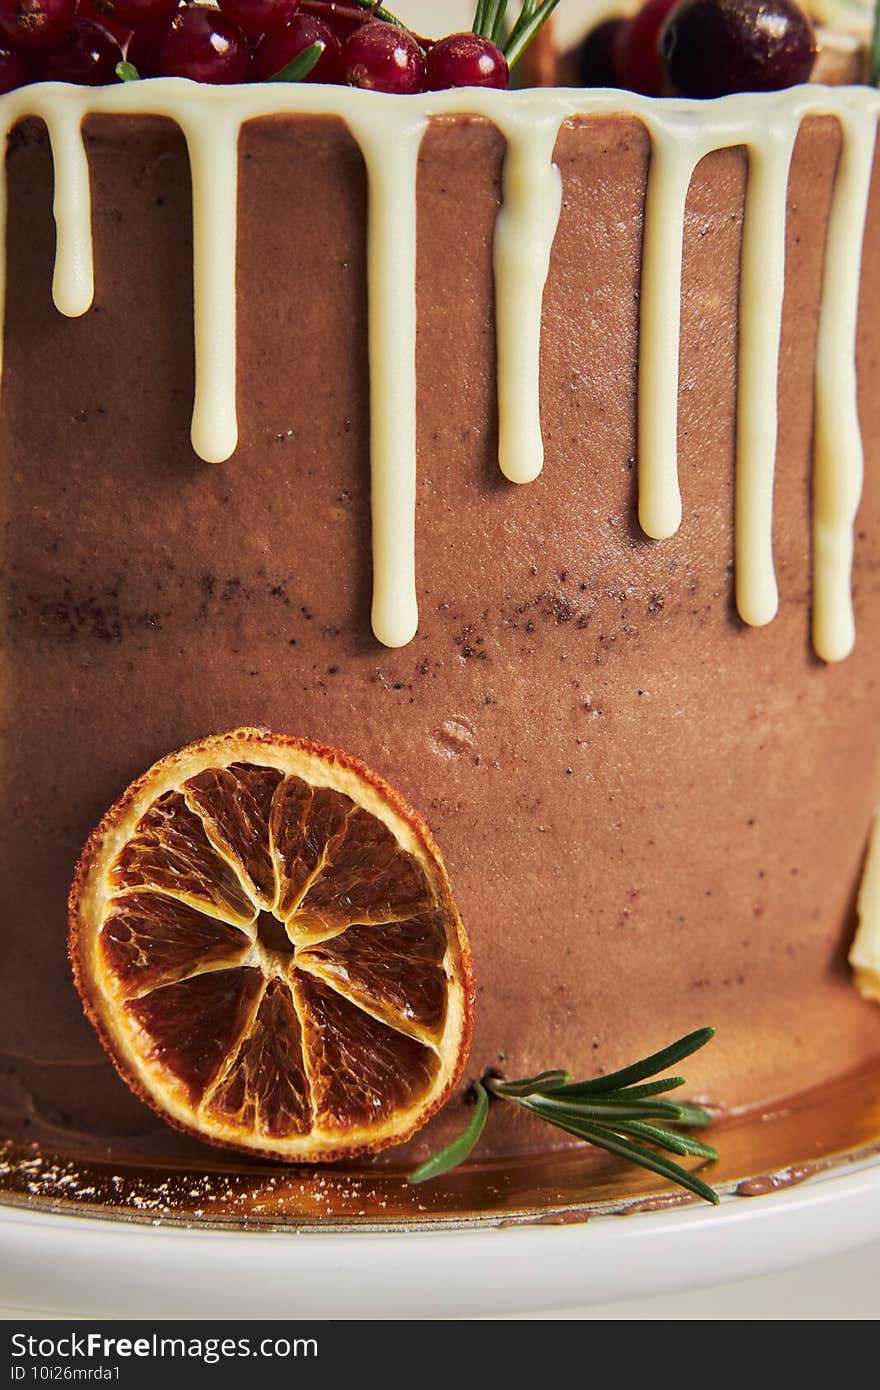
x=391, y=278
x=838, y=462
x=864, y=955
x=672, y=165
x=762, y=286
x=212, y=142
x=389, y=130
x=524, y=235
x=73, y=283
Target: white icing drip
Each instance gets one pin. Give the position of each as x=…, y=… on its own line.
x=838, y=461
x=524, y=235
x=864, y=956
x=388, y=129
x=762, y=287
x=669, y=176
x=73, y=282
x=391, y=274
x=212, y=142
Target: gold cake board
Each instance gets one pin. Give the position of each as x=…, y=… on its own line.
x=828, y=1127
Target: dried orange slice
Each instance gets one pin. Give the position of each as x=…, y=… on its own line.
x=263, y=934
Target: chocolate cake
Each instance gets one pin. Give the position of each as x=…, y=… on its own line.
x=653, y=791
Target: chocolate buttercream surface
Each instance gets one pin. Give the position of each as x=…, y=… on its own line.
x=653, y=817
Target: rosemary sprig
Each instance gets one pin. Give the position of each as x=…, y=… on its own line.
x=616, y=1112
x=300, y=66
x=874, y=67
x=489, y=23
x=460, y=1148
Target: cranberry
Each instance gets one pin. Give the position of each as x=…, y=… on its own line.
x=276, y=50
x=94, y=9
x=35, y=23
x=86, y=55
x=130, y=14
x=713, y=47
x=256, y=17
x=465, y=60
x=201, y=44
x=13, y=70
x=342, y=18
x=596, y=57
x=143, y=48
x=383, y=58
x=638, y=49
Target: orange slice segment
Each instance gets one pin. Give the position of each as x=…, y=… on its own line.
x=263, y=934
x=150, y=939
x=361, y=1069
x=170, y=851
x=266, y=1089
x=235, y=804
x=185, y=1031
x=396, y=973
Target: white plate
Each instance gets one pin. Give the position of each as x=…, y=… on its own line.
x=79, y=1266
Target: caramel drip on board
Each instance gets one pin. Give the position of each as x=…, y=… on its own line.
x=388, y=130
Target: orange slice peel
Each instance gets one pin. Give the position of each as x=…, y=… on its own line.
x=263, y=934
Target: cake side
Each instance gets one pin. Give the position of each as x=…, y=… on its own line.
x=653, y=817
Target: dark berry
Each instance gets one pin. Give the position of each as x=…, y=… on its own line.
x=638, y=61
x=201, y=44
x=35, y=23
x=256, y=17
x=132, y=14
x=94, y=9
x=383, y=58
x=596, y=57
x=276, y=50
x=343, y=18
x=13, y=70
x=86, y=55
x=143, y=48
x=465, y=60
x=713, y=47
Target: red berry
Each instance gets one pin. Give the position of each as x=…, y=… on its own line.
x=35, y=23
x=596, y=57
x=276, y=50
x=94, y=9
x=86, y=55
x=201, y=44
x=465, y=60
x=13, y=70
x=256, y=17
x=713, y=47
x=342, y=16
x=383, y=58
x=143, y=47
x=130, y=14
x=638, y=51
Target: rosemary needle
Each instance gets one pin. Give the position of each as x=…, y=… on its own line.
x=616, y=1112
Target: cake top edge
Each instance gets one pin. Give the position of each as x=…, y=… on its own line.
x=181, y=98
